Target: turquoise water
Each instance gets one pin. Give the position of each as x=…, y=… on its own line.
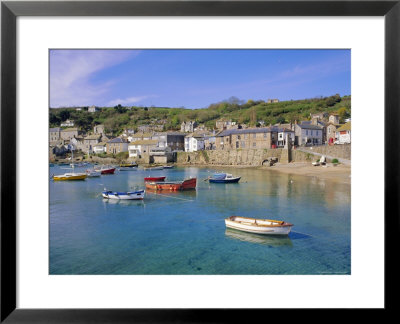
x=184, y=232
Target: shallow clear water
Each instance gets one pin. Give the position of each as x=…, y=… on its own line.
x=184, y=232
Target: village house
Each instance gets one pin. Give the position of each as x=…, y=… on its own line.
x=188, y=126
x=77, y=142
x=141, y=136
x=69, y=133
x=331, y=132
x=100, y=148
x=209, y=142
x=93, y=109
x=54, y=134
x=89, y=142
x=67, y=123
x=307, y=133
x=137, y=148
x=223, y=124
x=117, y=145
x=174, y=140
x=195, y=142
x=321, y=116
x=59, y=149
x=343, y=134
x=282, y=135
x=99, y=129
x=272, y=100
x=334, y=119
x=250, y=138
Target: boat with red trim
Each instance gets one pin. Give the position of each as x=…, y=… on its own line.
x=154, y=179
x=186, y=184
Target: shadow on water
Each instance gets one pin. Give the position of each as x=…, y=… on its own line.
x=299, y=236
x=275, y=241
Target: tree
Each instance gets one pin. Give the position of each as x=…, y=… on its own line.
x=120, y=109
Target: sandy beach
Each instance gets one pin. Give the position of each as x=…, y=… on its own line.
x=340, y=173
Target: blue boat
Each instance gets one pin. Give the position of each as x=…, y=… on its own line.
x=223, y=178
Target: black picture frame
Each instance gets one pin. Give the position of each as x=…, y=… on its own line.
x=10, y=10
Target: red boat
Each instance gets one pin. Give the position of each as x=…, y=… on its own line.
x=106, y=170
x=173, y=185
x=154, y=179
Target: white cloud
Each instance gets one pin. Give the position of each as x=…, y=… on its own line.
x=71, y=72
x=128, y=101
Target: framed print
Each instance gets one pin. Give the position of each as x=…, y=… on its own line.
x=220, y=86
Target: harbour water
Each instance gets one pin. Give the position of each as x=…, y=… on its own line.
x=182, y=233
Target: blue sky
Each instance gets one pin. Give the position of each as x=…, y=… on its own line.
x=194, y=78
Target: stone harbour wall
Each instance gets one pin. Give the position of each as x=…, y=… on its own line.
x=339, y=151
x=249, y=157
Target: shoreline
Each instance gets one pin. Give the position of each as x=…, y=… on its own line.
x=340, y=173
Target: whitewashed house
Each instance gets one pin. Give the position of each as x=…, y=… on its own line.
x=194, y=142
x=67, y=123
x=282, y=132
x=343, y=134
x=93, y=109
x=100, y=148
x=139, y=147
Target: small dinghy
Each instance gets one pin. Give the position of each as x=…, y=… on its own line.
x=129, y=195
x=223, y=178
x=259, y=226
x=173, y=185
x=153, y=168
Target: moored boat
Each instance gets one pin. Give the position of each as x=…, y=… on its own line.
x=153, y=168
x=223, y=178
x=106, y=170
x=168, y=166
x=258, y=226
x=70, y=176
x=128, y=195
x=128, y=166
x=173, y=185
x=154, y=179
x=93, y=173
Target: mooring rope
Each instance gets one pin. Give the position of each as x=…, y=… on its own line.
x=158, y=194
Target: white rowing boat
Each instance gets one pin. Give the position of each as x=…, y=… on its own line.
x=258, y=226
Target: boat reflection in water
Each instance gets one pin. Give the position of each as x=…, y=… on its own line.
x=126, y=202
x=282, y=240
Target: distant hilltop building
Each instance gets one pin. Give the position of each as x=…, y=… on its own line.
x=67, y=123
x=188, y=126
x=272, y=100
x=93, y=109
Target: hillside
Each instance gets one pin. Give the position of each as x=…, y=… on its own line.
x=117, y=118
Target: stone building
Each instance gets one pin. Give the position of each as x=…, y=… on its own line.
x=54, y=134
x=98, y=129
x=69, y=133
x=249, y=138
x=223, y=124
x=117, y=145
x=188, y=126
x=334, y=119
x=308, y=134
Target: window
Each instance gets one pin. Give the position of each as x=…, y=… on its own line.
x=306, y=132
x=237, y=144
x=254, y=135
x=254, y=144
x=243, y=144
x=265, y=135
x=238, y=137
x=311, y=133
